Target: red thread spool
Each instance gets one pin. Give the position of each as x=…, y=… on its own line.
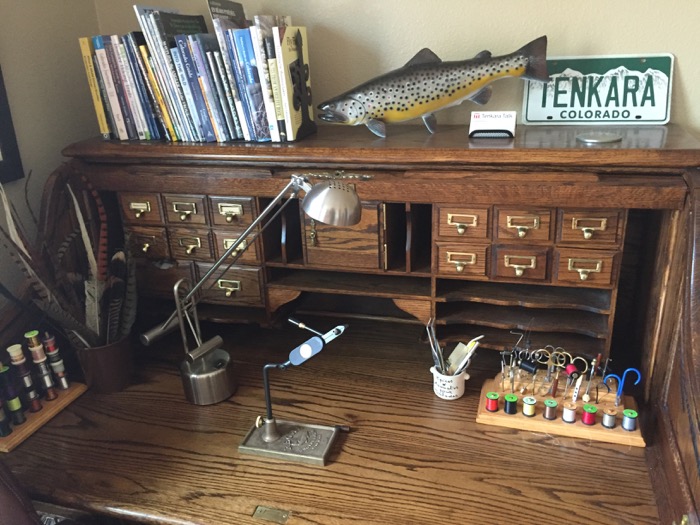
x=588, y=414
x=492, y=401
x=571, y=369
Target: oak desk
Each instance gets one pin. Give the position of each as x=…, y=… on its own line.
x=145, y=454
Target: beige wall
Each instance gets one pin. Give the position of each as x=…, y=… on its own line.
x=350, y=41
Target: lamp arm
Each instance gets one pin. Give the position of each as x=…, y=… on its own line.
x=296, y=184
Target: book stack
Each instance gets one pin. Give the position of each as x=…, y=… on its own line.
x=175, y=81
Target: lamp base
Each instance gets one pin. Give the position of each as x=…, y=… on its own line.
x=301, y=442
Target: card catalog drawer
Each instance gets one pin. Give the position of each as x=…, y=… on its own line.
x=463, y=223
x=190, y=244
x=150, y=242
x=141, y=208
x=231, y=211
x=462, y=259
x=594, y=227
x=185, y=209
x=526, y=263
x=224, y=239
x=237, y=286
x=527, y=225
x=595, y=268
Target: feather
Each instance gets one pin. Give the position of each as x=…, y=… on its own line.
x=19, y=255
x=102, y=241
x=113, y=298
x=14, y=234
x=128, y=317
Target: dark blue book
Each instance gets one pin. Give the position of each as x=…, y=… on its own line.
x=133, y=56
x=195, y=88
x=252, y=88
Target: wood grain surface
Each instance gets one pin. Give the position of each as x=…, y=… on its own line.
x=146, y=455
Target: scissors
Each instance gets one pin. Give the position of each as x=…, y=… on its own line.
x=621, y=382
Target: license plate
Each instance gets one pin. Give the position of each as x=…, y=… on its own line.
x=629, y=89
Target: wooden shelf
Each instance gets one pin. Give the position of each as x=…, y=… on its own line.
x=530, y=296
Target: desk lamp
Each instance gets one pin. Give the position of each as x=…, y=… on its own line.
x=206, y=372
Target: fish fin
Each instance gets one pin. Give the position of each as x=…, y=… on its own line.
x=484, y=55
x=536, y=53
x=430, y=122
x=424, y=56
x=377, y=127
x=482, y=96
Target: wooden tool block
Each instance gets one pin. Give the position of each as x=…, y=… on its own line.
x=537, y=423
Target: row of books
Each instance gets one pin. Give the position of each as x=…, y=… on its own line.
x=173, y=80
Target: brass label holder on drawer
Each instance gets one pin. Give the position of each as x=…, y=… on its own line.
x=190, y=243
x=511, y=261
x=466, y=259
x=227, y=243
x=185, y=209
x=140, y=208
x=513, y=221
x=230, y=211
x=462, y=221
x=592, y=266
x=229, y=286
x=588, y=230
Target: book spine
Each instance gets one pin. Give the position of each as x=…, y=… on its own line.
x=257, y=39
x=87, y=53
x=208, y=90
x=119, y=88
x=241, y=102
x=168, y=127
x=275, y=84
x=221, y=94
x=141, y=83
x=251, y=88
x=195, y=88
x=228, y=93
x=189, y=100
x=110, y=88
x=129, y=89
x=285, y=88
x=105, y=100
x=224, y=46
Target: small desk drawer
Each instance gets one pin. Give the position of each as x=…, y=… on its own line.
x=463, y=223
x=141, y=208
x=526, y=263
x=150, y=242
x=190, y=244
x=231, y=211
x=584, y=227
x=526, y=225
x=462, y=259
x=594, y=268
x=185, y=209
x=224, y=239
x=237, y=286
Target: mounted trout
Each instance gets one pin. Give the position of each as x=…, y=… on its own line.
x=427, y=84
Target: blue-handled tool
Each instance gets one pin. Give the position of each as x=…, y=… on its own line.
x=621, y=382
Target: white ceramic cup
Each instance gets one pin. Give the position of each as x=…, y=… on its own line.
x=448, y=387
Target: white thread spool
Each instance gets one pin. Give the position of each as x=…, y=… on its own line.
x=568, y=414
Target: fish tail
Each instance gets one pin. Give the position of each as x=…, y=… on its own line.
x=536, y=53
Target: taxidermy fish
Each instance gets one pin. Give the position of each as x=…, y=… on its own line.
x=427, y=84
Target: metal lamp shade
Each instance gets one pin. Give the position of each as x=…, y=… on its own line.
x=332, y=202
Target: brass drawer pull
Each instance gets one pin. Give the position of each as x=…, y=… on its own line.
x=185, y=209
x=240, y=249
x=146, y=241
x=588, y=230
x=462, y=221
x=465, y=259
x=140, y=208
x=190, y=244
x=511, y=261
x=230, y=211
x=532, y=222
x=230, y=287
x=585, y=266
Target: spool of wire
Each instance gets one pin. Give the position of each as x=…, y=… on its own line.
x=492, y=401
x=569, y=412
x=529, y=404
x=629, y=419
x=550, y=409
x=511, y=404
x=609, y=417
x=588, y=414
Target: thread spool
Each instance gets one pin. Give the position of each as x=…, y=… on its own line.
x=550, y=409
x=492, y=401
x=32, y=338
x=5, y=429
x=629, y=419
x=568, y=414
x=529, y=366
x=588, y=414
x=511, y=406
x=529, y=404
x=571, y=371
x=609, y=418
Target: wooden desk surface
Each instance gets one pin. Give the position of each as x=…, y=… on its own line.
x=145, y=454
